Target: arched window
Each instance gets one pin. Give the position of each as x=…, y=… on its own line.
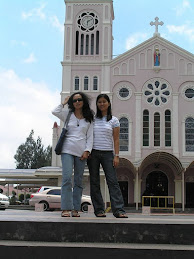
x=167, y=128
x=76, y=86
x=189, y=134
x=95, y=83
x=87, y=45
x=156, y=129
x=77, y=43
x=145, y=128
x=86, y=80
x=82, y=45
x=92, y=44
x=97, y=43
x=124, y=134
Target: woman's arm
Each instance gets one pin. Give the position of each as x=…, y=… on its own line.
x=116, y=132
x=59, y=111
x=89, y=142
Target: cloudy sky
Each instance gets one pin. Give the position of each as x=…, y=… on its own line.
x=31, y=49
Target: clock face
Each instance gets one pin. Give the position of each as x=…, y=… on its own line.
x=87, y=21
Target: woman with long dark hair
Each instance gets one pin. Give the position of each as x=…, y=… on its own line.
x=76, y=149
x=105, y=152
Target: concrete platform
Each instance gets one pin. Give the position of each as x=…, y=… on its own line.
x=47, y=235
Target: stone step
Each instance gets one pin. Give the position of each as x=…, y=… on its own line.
x=32, y=250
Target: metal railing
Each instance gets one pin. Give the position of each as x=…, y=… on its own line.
x=159, y=202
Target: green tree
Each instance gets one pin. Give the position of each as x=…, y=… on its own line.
x=32, y=154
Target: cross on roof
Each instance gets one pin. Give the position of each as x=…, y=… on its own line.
x=156, y=23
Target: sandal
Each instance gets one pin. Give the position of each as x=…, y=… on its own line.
x=65, y=213
x=121, y=215
x=75, y=213
x=101, y=215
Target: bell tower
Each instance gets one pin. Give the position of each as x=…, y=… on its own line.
x=87, y=46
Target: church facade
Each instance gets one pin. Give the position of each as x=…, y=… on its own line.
x=152, y=92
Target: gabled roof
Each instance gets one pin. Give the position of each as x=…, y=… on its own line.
x=154, y=40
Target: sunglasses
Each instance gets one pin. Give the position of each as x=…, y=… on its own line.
x=77, y=100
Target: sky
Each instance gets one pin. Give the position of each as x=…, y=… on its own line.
x=31, y=51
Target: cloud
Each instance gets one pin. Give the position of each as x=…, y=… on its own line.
x=30, y=59
x=35, y=12
x=40, y=13
x=54, y=21
x=184, y=30
x=135, y=39
x=183, y=7
x=24, y=105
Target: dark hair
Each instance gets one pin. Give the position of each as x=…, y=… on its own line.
x=109, y=111
x=88, y=114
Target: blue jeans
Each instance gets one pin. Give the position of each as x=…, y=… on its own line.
x=105, y=158
x=71, y=199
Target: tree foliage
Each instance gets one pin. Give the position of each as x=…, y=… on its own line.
x=32, y=154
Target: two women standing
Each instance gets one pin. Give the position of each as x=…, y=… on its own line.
x=82, y=137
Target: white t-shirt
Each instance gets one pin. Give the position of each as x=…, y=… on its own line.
x=79, y=138
x=103, y=133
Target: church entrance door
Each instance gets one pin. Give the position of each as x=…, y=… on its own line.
x=156, y=185
x=190, y=195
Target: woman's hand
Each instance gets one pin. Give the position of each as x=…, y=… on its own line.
x=85, y=155
x=66, y=100
x=116, y=161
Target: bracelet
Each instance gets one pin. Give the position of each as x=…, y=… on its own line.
x=117, y=155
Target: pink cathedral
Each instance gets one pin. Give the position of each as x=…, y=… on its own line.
x=152, y=92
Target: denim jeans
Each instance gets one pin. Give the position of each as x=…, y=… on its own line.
x=71, y=199
x=105, y=158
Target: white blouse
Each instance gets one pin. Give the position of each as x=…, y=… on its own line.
x=80, y=133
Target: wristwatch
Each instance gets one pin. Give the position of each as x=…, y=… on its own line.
x=117, y=155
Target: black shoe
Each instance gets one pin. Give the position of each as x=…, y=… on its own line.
x=101, y=215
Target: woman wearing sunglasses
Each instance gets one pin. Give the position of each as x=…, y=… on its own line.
x=105, y=152
x=76, y=149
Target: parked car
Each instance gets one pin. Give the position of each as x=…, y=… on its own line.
x=43, y=188
x=51, y=198
x=4, y=201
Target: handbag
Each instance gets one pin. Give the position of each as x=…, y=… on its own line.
x=59, y=145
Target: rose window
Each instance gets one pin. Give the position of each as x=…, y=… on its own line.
x=157, y=92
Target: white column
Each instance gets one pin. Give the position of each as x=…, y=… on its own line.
x=175, y=118
x=138, y=126
x=183, y=190
x=178, y=192
x=137, y=188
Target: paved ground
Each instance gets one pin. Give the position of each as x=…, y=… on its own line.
x=55, y=216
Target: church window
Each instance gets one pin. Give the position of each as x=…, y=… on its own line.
x=92, y=44
x=189, y=134
x=97, y=43
x=124, y=134
x=145, y=128
x=95, y=83
x=157, y=92
x=87, y=44
x=167, y=128
x=77, y=83
x=82, y=45
x=86, y=81
x=189, y=93
x=156, y=129
x=124, y=92
x=77, y=43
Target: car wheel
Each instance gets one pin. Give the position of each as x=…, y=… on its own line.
x=46, y=205
x=84, y=207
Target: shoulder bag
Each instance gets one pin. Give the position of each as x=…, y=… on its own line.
x=59, y=145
